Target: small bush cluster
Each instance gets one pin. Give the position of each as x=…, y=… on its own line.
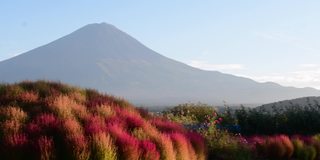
x=48, y=120
x=189, y=113
x=202, y=118
x=284, y=147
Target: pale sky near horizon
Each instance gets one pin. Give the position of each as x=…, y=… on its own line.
x=274, y=40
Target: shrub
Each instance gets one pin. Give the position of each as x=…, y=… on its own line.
x=198, y=144
x=275, y=148
x=95, y=124
x=307, y=153
x=115, y=120
x=33, y=129
x=162, y=141
x=181, y=146
x=45, y=147
x=16, y=140
x=303, y=151
x=190, y=112
x=298, y=147
x=310, y=153
x=47, y=122
x=165, y=145
x=103, y=147
x=79, y=111
x=140, y=134
x=127, y=145
x=167, y=126
x=78, y=95
x=29, y=97
x=289, y=148
x=11, y=93
x=258, y=144
x=12, y=113
x=62, y=106
x=15, y=146
x=192, y=152
x=104, y=111
x=95, y=99
x=71, y=126
x=149, y=150
x=133, y=121
x=10, y=127
x=316, y=144
x=77, y=146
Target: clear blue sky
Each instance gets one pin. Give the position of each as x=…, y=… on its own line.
x=274, y=40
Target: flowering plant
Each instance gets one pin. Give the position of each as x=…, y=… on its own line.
x=213, y=120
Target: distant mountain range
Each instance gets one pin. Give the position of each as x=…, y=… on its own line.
x=101, y=56
x=297, y=102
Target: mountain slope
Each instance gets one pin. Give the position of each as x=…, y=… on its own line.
x=103, y=57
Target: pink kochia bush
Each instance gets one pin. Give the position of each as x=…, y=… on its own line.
x=279, y=147
x=284, y=147
x=45, y=148
x=46, y=120
x=181, y=144
x=198, y=144
x=167, y=126
x=128, y=145
x=149, y=150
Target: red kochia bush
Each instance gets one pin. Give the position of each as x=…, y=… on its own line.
x=181, y=144
x=128, y=145
x=198, y=144
x=94, y=124
x=45, y=147
x=134, y=122
x=45, y=124
x=286, y=142
x=15, y=146
x=276, y=147
x=29, y=97
x=47, y=120
x=102, y=147
x=149, y=150
x=16, y=140
x=71, y=126
x=167, y=126
x=77, y=146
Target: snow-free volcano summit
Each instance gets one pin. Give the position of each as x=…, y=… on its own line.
x=102, y=57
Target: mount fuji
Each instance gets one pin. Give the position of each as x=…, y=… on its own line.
x=102, y=57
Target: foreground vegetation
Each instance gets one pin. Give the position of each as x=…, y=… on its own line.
x=253, y=133
x=42, y=120
x=46, y=120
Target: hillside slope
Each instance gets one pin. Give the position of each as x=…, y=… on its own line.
x=42, y=120
x=298, y=102
x=101, y=56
